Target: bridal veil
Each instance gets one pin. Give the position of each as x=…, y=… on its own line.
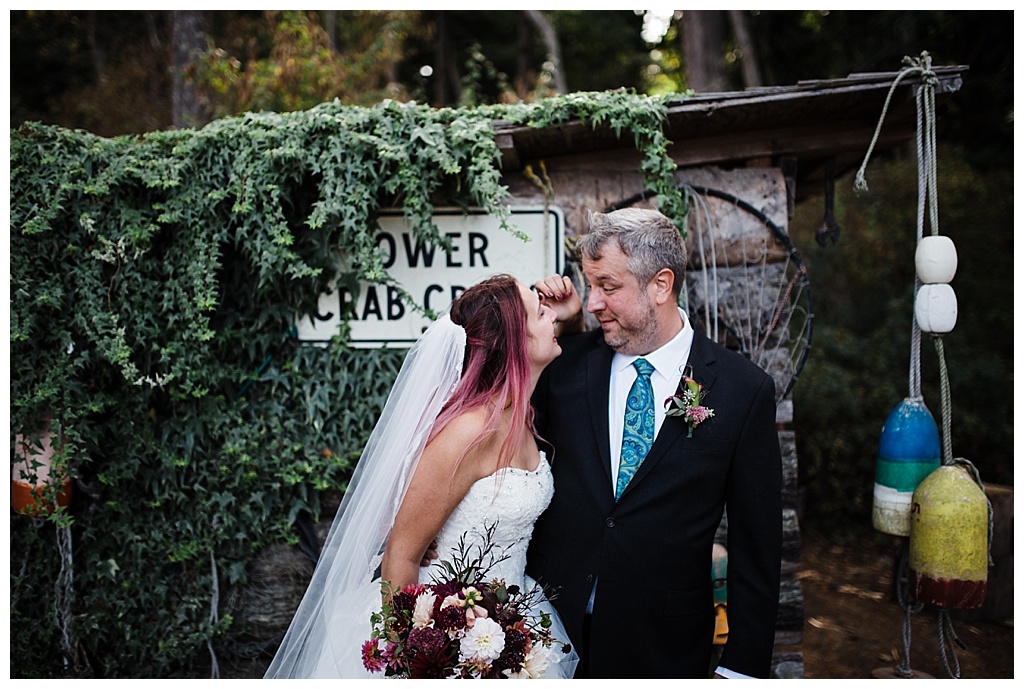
x=347, y=568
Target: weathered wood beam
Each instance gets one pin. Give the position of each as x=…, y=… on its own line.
x=799, y=141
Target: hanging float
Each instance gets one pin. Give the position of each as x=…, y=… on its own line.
x=908, y=451
x=949, y=540
x=948, y=518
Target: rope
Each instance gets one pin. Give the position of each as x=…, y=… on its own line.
x=947, y=413
x=922, y=195
x=64, y=591
x=909, y=608
x=927, y=200
x=778, y=313
x=64, y=594
x=710, y=322
x=926, y=187
x=946, y=633
x=921, y=66
x=946, y=628
x=947, y=443
x=214, y=615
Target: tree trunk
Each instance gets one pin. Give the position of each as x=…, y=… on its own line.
x=522, y=80
x=155, y=118
x=99, y=57
x=331, y=26
x=547, y=31
x=748, y=58
x=444, y=69
x=189, y=31
x=703, y=37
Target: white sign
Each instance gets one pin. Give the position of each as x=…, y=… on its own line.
x=433, y=277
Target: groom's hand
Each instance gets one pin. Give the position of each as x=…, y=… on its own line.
x=430, y=555
x=558, y=294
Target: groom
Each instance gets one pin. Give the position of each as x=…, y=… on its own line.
x=632, y=573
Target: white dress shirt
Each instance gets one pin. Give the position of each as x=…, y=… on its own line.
x=668, y=362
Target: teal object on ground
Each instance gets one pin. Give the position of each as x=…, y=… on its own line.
x=908, y=451
x=719, y=568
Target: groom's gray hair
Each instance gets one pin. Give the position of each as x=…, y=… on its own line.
x=648, y=238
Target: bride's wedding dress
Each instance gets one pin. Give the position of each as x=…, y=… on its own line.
x=510, y=500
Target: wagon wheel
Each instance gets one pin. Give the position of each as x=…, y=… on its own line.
x=749, y=290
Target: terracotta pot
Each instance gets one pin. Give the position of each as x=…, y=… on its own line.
x=28, y=499
x=31, y=473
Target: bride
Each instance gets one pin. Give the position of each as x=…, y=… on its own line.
x=453, y=456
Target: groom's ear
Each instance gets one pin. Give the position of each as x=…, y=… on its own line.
x=662, y=284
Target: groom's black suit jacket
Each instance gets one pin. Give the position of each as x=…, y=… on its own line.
x=651, y=551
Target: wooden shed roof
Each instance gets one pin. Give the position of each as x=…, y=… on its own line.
x=802, y=126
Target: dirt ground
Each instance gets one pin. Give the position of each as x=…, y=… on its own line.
x=853, y=625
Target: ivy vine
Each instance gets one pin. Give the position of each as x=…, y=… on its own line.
x=155, y=283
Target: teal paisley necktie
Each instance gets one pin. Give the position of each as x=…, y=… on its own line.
x=638, y=425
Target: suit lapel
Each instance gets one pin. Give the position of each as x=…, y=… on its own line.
x=700, y=367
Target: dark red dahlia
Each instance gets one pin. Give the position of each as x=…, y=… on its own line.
x=450, y=618
x=429, y=653
x=403, y=603
x=515, y=649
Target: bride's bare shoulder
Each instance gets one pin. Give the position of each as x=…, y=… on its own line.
x=465, y=432
x=465, y=427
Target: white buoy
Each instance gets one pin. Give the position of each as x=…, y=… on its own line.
x=935, y=308
x=935, y=259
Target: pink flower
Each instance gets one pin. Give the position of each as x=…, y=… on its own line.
x=687, y=405
x=393, y=655
x=698, y=414
x=372, y=660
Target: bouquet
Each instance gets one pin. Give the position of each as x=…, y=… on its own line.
x=462, y=625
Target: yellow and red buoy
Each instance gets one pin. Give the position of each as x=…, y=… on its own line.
x=948, y=557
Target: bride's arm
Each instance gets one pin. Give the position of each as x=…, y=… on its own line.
x=434, y=493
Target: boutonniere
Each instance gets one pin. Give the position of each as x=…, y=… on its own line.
x=688, y=406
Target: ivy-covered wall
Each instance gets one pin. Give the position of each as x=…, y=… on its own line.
x=154, y=285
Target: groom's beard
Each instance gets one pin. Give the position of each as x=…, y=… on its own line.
x=635, y=333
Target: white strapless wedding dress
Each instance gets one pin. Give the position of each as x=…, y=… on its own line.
x=510, y=501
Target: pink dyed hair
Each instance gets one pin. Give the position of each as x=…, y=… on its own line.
x=496, y=364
